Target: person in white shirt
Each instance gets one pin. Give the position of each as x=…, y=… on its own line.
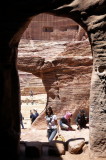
x=52, y=125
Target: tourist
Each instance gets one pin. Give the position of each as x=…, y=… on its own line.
x=65, y=122
x=32, y=117
x=36, y=114
x=21, y=120
x=52, y=125
x=81, y=119
x=31, y=93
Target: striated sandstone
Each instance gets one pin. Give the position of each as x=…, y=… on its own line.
x=66, y=76
x=49, y=27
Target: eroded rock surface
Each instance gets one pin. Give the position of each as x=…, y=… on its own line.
x=65, y=73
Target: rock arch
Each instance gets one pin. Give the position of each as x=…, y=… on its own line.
x=91, y=15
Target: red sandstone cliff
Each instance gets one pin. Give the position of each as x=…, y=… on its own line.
x=66, y=75
x=49, y=27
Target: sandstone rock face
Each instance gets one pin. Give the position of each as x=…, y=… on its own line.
x=49, y=27
x=29, y=82
x=66, y=75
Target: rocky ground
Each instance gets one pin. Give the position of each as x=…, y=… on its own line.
x=30, y=134
x=34, y=135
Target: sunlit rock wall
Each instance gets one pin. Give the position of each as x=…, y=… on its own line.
x=66, y=75
x=49, y=27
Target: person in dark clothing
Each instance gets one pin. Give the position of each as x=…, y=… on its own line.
x=81, y=120
x=21, y=120
x=36, y=114
x=65, y=122
x=32, y=117
x=31, y=93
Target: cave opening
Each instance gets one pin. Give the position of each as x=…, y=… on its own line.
x=47, y=40
x=46, y=46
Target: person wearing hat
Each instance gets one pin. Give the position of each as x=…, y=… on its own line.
x=65, y=122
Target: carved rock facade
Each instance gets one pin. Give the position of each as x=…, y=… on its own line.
x=49, y=27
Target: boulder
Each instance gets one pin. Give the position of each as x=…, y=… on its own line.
x=75, y=146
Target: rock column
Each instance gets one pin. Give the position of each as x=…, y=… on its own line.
x=98, y=89
x=9, y=103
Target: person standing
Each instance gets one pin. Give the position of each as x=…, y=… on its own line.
x=36, y=114
x=32, y=117
x=52, y=125
x=21, y=120
x=31, y=93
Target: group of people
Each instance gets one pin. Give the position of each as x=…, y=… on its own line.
x=64, y=122
x=53, y=126
x=33, y=115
